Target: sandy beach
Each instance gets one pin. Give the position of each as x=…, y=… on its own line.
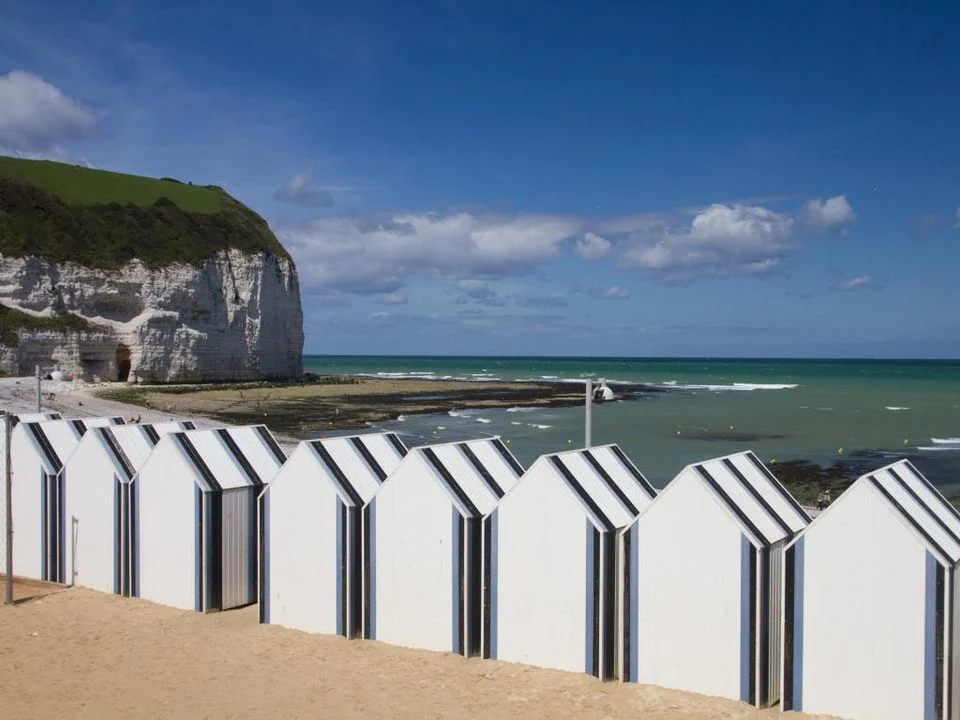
x=82, y=654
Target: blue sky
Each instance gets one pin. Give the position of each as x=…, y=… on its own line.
x=613, y=178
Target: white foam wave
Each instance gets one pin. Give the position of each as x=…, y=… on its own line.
x=459, y=413
x=401, y=418
x=514, y=422
x=737, y=387
x=896, y=408
x=945, y=441
x=939, y=448
x=539, y=427
x=521, y=409
x=485, y=421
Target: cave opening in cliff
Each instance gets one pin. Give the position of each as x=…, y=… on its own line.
x=123, y=362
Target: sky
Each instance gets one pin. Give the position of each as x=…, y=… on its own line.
x=542, y=178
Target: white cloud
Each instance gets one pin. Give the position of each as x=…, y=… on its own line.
x=957, y=224
x=612, y=293
x=392, y=299
x=720, y=240
x=379, y=255
x=593, y=247
x=825, y=215
x=297, y=191
x=36, y=117
x=858, y=283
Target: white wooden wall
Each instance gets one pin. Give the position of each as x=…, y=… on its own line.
x=413, y=557
x=26, y=491
x=863, y=614
x=89, y=502
x=302, y=546
x=168, y=561
x=541, y=583
x=689, y=593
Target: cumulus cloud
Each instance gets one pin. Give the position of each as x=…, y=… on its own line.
x=472, y=290
x=392, y=299
x=826, y=215
x=297, y=191
x=379, y=255
x=612, y=293
x=858, y=283
x=542, y=301
x=36, y=117
x=720, y=240
x=593, y=247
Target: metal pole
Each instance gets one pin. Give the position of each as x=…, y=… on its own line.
x=7, y=433
x=588, y=420
x=39, y=409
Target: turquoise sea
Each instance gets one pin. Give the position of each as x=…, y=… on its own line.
x=817, y=410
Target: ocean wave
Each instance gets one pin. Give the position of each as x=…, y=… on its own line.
x=539, y=427
x=401, y=418
x=895, y=408
x=738, y=387
x=514, y=422
x=521, y=409
x=485, y=421
x=939, y=448
x=945, y=441
x=459, y=413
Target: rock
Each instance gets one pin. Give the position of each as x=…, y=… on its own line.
x=235, y=317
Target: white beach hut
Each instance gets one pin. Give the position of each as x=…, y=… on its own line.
x=430, y=545
x=97, y=510
x=871, y=604
x=702, y=568
x=554, y=569
x=38, y=453
x=195, y=541
x=17, y=418
x=312, y=572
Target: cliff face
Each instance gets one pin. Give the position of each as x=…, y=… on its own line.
x=235, y=316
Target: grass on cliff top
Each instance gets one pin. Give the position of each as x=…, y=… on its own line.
x=12, y=320
x=87, y=186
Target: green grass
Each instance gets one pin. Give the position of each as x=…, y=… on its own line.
x=86, y=186
x=104, y=220
x=12, y=320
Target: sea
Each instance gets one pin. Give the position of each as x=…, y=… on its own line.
x=819, y=411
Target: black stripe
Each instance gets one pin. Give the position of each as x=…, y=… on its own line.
x=201, y=545
x=487, y=579
x=583, y=494
x=474, y=556
x=608, y=481
x=41, y=437
x=596, y=603
x=948, y=612
x=480, y=468
x=152, y=435
x=45, y=520
x=367, y=571
x=731, y=505
x=344, y=594
x=755, y=494
x=117, y=421
x=789, y=611
x=271, y=443
x=609, y=606
x=764, y=676
x=356, y=569
x=778, y=486
x=451, y=484
x=753, y=627
x=632, y=469
x=60, y=528
x=923, y=504
x=369, y=458
x=908, y=517
x=262, y=533
x=134, y=543
x=625, y=618
x=187, y=425
x=942, y=500
x=197, y=461
x=125, y=545
x=508, y=456
x=337, y=473
x=117, y=451
x=941, y=646
x=215, y=501
x=461, y=586
x=117, y=534
x=397, y=444
x=237, y=453
x=79, y=426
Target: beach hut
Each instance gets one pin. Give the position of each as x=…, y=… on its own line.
x=37, y=456
x=195, y=499
x=97, y=518
x=428, y=537
x=553, y=561
x=311, y=547
x=701, y=602
x=871, y=604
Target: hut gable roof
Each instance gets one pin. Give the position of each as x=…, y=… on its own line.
x=134, y=443
x=359, y=464
x=621, y=475
x=476, y=474
x=903, y=474
x=229, y=458
x=55, y=440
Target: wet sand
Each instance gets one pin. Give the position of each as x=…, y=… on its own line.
x=83, y=654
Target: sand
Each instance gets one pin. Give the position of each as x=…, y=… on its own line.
x=82, y=654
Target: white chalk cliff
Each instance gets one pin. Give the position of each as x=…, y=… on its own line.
x=235, y=317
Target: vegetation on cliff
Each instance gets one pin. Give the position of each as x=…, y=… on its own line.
x=13, y=320
x=104, y=219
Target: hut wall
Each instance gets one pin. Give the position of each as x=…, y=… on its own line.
x=417, y=563
x=860, y=616
x=302, y=547
x=28, y=495
x=238, y=565
x=543, y=589
x=169, y=563
x=690, y=594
